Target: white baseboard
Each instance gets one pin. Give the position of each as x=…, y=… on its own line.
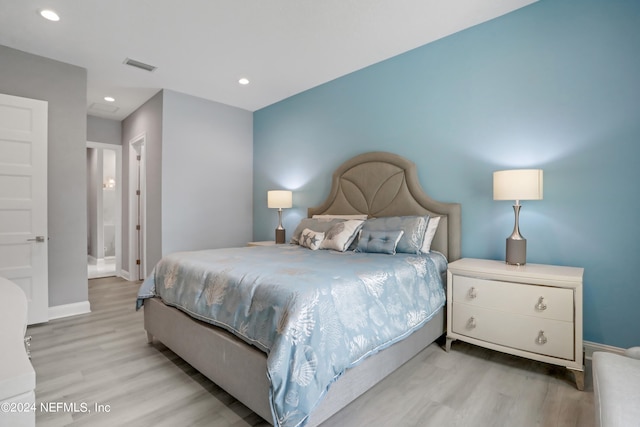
x=66, y=310
x=590, y=347
x=125, y=275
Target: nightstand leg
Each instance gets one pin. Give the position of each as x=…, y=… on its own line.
x=447, y=345
x=579, y=376
x=149, y=338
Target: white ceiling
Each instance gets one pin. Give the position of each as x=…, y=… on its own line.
x=202, y=47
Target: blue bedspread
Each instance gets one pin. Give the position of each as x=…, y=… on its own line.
x=315, y=313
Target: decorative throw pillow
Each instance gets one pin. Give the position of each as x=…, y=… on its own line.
x=413, y=227
x=432, y=227
x=380, y=242
x=311, y=239
x=320, y=225
x=340, y=236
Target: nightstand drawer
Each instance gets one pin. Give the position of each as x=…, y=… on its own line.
x=514, y=330
x=531, y=300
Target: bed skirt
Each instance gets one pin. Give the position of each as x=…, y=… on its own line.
x=240, y=369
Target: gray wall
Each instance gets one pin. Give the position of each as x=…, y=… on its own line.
x=199, y=171
x=64, y=87
x=148, y=120
x=207, y=174
x=104, y=130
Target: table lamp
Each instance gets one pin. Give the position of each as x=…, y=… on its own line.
x=517, y=184
x=279, y=199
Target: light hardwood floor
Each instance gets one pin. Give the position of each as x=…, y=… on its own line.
x=103, y=358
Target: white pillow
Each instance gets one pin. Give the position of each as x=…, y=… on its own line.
x=311, y=239
x=432, y=227
x=340, y=236
x=321, y=225
x=359, y=216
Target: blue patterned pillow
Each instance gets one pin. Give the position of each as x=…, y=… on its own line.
x=379, y=242
x=413, y=227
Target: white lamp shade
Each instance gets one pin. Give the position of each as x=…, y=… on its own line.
x=517, y=184
x=279, y=199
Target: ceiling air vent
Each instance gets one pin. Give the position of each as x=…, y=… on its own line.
x=141, y=65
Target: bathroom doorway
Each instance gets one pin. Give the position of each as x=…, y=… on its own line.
x=104, y=210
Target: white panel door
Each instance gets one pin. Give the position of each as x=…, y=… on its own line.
x=23, y=200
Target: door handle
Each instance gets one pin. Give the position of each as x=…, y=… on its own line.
x=38, y=239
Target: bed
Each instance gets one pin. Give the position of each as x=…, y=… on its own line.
x=374, y=184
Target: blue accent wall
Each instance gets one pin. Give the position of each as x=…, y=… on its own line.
x=555, y=85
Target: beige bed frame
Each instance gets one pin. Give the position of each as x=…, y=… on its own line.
x=376, y=184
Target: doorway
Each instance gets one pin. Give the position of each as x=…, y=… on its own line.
x=104, y=210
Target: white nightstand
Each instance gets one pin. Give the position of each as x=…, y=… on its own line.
x=263, y=243
x=533, y=311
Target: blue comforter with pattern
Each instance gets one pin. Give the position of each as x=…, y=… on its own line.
x=314, y=313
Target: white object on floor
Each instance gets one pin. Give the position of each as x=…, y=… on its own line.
x=616, y=387
x=17, y=376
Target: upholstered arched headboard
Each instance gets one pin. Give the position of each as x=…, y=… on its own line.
x=385, y=184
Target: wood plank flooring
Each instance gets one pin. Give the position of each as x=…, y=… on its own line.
x=102, y=358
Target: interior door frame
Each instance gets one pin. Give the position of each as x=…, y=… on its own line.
x=118, y=240
x=137, y=146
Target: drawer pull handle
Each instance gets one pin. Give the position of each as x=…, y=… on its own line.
x=541, y=340
x=472, y=293
x=471, y=323
x=541, y=306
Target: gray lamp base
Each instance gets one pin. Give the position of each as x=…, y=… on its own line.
x=280, y=235
x=516, y=251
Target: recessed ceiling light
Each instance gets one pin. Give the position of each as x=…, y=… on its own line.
x=109, y=98
x=50, y=15
x=243, y=81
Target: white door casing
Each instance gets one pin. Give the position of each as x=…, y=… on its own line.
x=23, y=200
x=137, y=208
